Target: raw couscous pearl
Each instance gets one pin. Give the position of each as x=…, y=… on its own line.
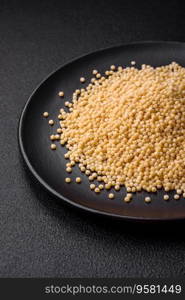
x=166, y=197
x=127, y=199
x=53, y=146
x=117, y=187
x=166, y=189
x=62, y=110
x=94, y=72
x=45, y=114
x=176, y=196
x=108, y=186
x=82, y=79
x=61, y=94
x=92, y=186
x=147, y=199
x=67, y=180
x=78, y=180
x=77, y=92
x=59, y=130
x=113, y=67
x=51, y=122
x=82, y=169
x=52, y=137
x=111, y=196
x=179, y=192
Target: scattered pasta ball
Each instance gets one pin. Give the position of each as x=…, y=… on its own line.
x=62, y=142
x=67, y=180
x=67, y=103
x=101, y=186
x=117, y=187
x=166, y=189
x=113, y=67
x=82, y=79
x=57, y=136
x=93, y=80
x=176, y=196
x=92, y=186
x=133, y=190
x=166, y=197
x=61, y=94
x=51, y=122
x=53, y=146
x=60, y=117
x=45, y=114
x=111, y=196
x=82, y=169
x=94, y=72
x=108, y=186
x=127, y=199
x=59, y=130
x=68, y=169
x=147, y=199
x=52, y=137
x=87, y=172
x=78, y=180
x=179, y=192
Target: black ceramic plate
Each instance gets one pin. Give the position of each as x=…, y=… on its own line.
x=49, y=166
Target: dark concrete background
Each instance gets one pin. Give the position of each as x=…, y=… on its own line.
x=39, y=236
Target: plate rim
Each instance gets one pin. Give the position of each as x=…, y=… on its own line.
x=41, y=180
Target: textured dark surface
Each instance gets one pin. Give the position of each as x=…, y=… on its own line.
x=38, y=235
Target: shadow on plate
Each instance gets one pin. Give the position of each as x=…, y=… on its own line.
x=150, y=230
